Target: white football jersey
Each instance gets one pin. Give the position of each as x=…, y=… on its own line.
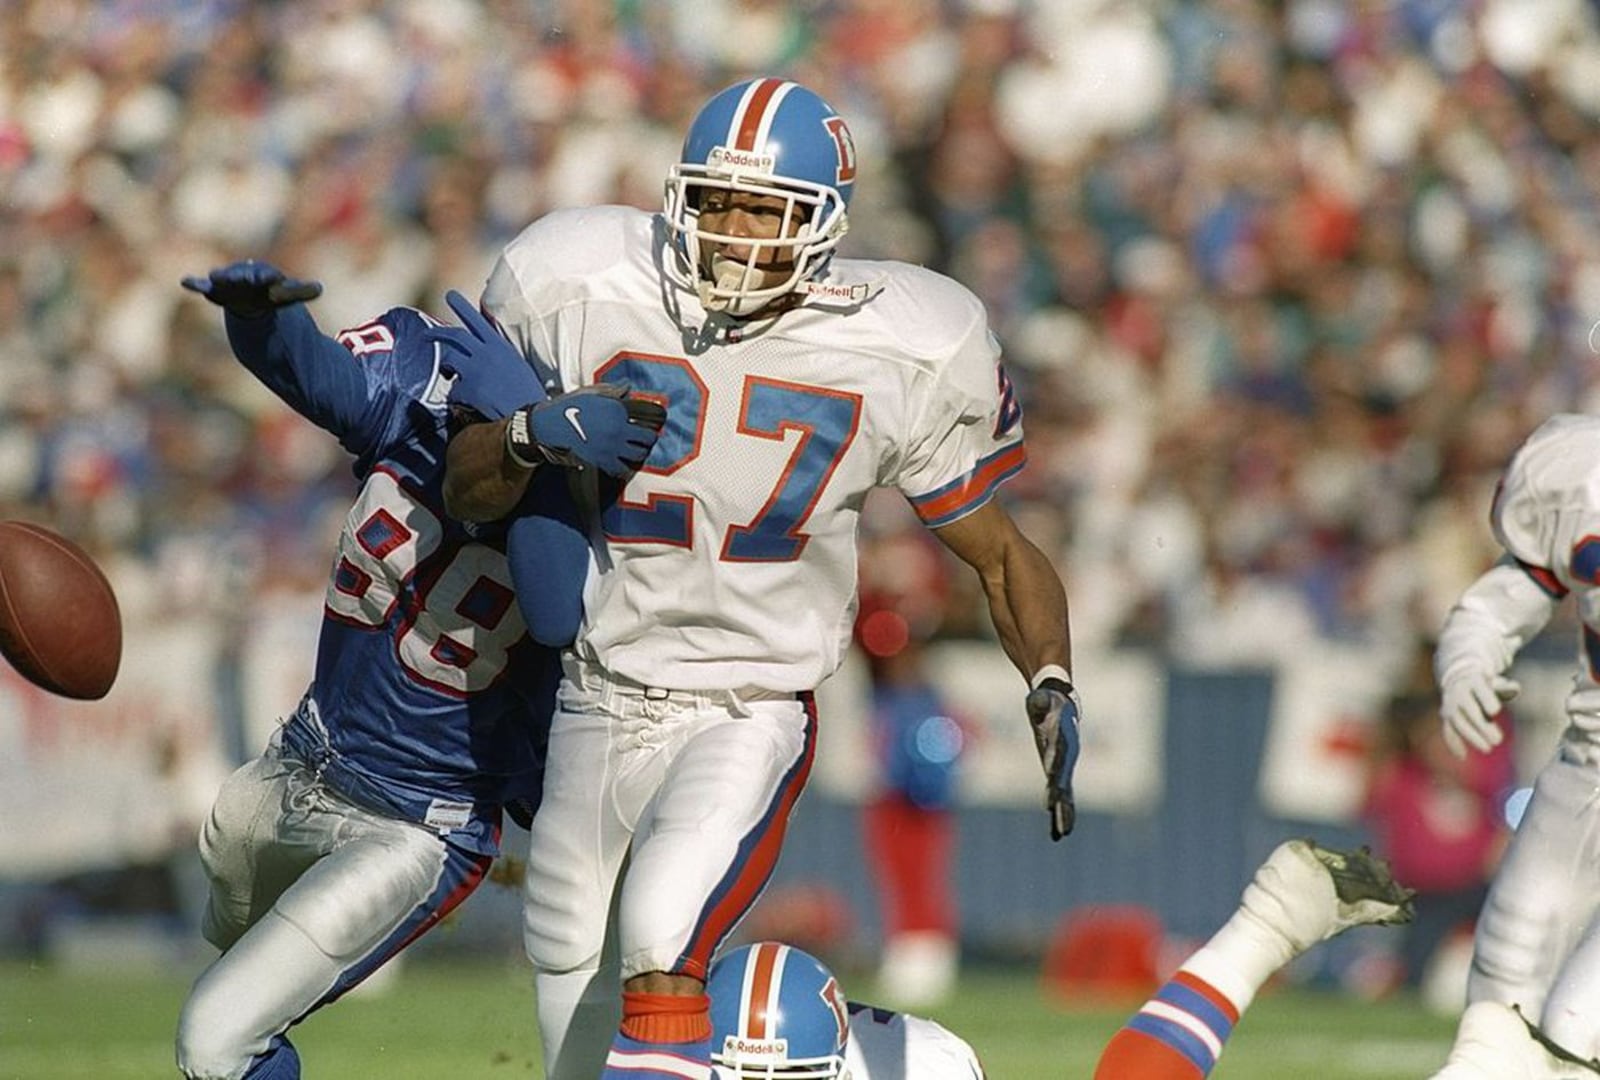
x=734, y=549
x=1546, y=515
x=888, y=1045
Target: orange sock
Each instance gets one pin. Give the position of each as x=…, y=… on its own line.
x=1176, y=1035
x=666, y=1018
x=1133, y=1055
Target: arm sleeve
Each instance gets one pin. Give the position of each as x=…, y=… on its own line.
x=967, y=439
x=315, y=374
x=1497, y=615
x=548, y=550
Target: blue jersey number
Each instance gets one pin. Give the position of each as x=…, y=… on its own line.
x=827, y=421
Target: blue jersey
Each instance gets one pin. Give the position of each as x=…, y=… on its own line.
x=430, y=701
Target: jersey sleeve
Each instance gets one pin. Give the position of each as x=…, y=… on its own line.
x=356, y=384
x=1524, y=524
x=966, y=435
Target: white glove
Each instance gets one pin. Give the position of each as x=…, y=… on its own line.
x=1468, y=704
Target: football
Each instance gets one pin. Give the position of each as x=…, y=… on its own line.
x=59, y=622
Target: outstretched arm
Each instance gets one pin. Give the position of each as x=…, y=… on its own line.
x=277, y=340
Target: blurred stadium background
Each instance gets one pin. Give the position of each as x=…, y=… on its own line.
x=1280, y=285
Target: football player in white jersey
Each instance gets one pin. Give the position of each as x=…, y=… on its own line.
x=794, y=383
x=1537, y=946
x=778, y=1012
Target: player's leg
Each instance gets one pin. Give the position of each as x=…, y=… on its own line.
x=1302, y=894
x=378, y=885
x=703, y=852
x=1570, y=1022
x=1544, y=891
x=245, y=869
x=577, y=844
x=1494, y=1042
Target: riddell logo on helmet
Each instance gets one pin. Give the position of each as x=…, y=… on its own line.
x=753, y=1050
x=723, y=157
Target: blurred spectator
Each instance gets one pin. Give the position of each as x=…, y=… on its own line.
x=909, y=821
x=1439, y=820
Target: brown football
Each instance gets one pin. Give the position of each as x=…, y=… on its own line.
x=59, y=623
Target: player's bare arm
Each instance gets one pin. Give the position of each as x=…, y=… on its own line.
x=1026, y=599
x=1029, y=607
x=482, y=482
x=488, y=466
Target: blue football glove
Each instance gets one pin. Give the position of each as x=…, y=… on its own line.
x=252, y=288
x=1053, y=711
x=594, y=427
x=490, y=376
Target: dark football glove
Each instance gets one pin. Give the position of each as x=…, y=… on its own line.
x=1053, y=711
x=489, y=374
x=252, y=288
x=594, y=427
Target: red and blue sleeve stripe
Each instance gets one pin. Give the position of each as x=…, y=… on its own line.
x=1545, y=579
x=971, y=490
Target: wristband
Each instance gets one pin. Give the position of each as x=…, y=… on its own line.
x=517, y=431
x=1049, y=671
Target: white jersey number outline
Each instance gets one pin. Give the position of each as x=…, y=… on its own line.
x=459, y=619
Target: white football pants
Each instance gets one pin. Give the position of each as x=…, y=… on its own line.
x=309, y=895
x=1536, y=945
x=693, y=791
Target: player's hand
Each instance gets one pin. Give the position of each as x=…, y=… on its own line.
x=594, y=427
x=489, y=375
x=1053, y=712
x=1468, y=704
x=251, y=288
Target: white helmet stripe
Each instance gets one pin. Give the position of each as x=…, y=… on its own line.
x=771, y=114
x=758, y=998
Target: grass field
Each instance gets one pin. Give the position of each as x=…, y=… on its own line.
x=476, y=1023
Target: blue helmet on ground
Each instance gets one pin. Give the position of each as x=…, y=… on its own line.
x=777, y=1013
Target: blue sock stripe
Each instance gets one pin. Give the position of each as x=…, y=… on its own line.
x=1179, y=1038
x=1198, y=1006
x=632, y=1059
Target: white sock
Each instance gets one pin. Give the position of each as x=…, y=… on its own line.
x=579, y=1014
x=1240, y=958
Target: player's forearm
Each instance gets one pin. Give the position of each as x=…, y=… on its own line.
x=295, y=360
x=1029, y=607
x=481, y=481
x=1492, y=620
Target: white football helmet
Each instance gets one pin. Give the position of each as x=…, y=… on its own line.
x=763, y=137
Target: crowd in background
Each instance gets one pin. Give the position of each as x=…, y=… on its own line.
x=1281, y=285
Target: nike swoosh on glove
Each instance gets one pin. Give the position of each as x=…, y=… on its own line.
x=598, y=427
x=1053, y=714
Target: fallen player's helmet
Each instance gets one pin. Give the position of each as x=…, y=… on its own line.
x=776, y=1014
x=762, y=137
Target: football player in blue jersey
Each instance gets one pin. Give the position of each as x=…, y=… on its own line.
x=376, y=808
